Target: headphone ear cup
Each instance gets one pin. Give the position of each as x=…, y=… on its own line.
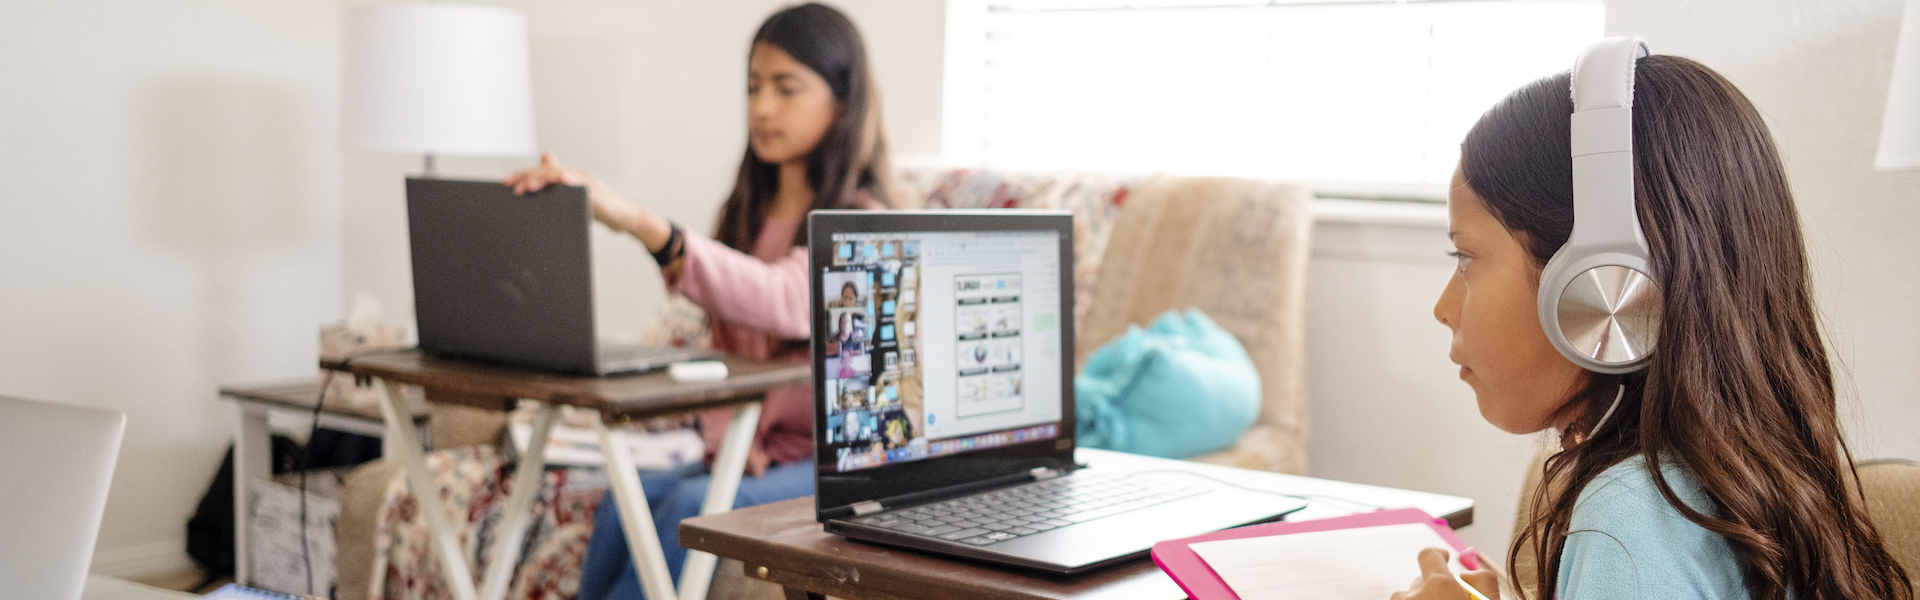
x=1601, y=311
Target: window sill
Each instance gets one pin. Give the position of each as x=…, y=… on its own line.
x=1389, y=213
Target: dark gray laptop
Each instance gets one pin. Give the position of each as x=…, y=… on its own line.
x=509, y=279
x=943, y=385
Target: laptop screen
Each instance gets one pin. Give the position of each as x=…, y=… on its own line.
x=939, y=343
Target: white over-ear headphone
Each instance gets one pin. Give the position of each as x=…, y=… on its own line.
x=1599, y=303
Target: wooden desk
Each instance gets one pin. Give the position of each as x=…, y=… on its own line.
x=781, y=543
x=298, y=396
x=619, y=398
x=253, y=445
x=497, y=387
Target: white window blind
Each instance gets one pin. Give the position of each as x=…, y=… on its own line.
x=1365, y=96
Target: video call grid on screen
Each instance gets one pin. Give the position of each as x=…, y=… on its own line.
x=940, y=342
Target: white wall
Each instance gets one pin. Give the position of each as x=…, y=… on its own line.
x=170, y=221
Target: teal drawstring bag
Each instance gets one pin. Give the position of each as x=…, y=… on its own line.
x=1182, y=387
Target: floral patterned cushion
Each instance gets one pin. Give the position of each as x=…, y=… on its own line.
x=473, y=480
x=1094, y=198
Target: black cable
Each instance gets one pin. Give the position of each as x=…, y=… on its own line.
x=306, y=454
x=306, y=462
x=1218, y=480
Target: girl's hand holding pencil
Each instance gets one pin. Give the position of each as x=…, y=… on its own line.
x=1438, y=581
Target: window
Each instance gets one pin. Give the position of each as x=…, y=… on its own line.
x=1358, y=98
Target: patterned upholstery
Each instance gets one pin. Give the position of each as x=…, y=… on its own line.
x=474, y=479
x=1094, y=198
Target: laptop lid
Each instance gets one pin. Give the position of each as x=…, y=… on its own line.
x=503, y=277
x=53, y=490
x=942, y=351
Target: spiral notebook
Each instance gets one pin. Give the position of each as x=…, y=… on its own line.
x=235, y=591
x=1368, y=555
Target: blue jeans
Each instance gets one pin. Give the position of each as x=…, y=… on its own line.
x=607, y=571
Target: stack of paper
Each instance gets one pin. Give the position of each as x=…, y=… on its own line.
x=581, y=447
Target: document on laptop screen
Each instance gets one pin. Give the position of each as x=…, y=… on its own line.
x=941, y=342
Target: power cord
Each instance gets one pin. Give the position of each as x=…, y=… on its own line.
x=306, y=463
x=1224, y=482
x=306, y=454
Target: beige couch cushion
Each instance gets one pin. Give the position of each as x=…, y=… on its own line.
x=1237, y=250
x=360, y=497
x=1525, y=568
x=1893, y=502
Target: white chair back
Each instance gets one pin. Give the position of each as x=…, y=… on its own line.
x=56, y=462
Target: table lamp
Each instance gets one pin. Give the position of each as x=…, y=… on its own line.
x=1900, y=131
x=438, y=79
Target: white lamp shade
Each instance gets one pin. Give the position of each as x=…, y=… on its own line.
x=443, y=79
x=1900, y=132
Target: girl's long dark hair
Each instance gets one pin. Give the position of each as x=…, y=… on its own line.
x=1739, y=391
x=850, y=159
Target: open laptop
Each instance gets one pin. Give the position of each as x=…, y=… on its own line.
x=53, y=490
x=943, y=420
x=509, y=279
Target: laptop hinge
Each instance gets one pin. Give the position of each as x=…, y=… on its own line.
x=861, y=509
x=1044, y=473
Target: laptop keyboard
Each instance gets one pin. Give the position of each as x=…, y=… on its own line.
x=1033, y=508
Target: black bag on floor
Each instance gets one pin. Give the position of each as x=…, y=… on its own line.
x=210, y=531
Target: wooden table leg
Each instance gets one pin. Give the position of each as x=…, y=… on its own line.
x=453, y=562
x=636, y=519
x=729, y=465
x=527, y=480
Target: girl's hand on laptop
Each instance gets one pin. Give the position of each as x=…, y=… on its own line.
x=608, y=207
x=1436, y=580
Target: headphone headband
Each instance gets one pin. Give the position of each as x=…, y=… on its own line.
x=1603, y=210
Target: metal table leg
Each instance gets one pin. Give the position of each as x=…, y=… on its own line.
x=527, y=479
x=729, y=464
x=459, y=572
x=636, y=520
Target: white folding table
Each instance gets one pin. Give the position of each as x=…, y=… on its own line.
x=616, y=399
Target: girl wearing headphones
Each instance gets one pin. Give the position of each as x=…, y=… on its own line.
x=815, y=142
x=1700, y=453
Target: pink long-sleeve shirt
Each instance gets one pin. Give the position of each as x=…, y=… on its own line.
x=756, y=307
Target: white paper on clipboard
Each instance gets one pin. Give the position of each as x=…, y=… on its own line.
x=1357, y=563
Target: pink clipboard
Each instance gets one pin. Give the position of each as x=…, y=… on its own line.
x=1178, y=559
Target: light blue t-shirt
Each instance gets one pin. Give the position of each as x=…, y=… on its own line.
x=1625, y=541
